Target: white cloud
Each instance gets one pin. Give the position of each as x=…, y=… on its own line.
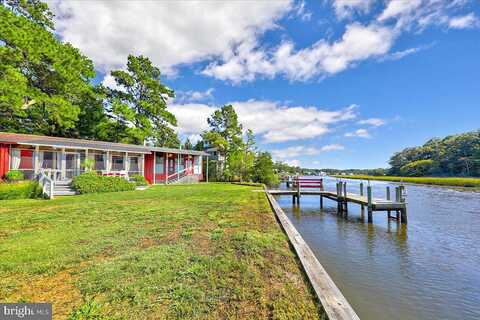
x=194, y=96
x=376, y=122
x=358, y=43
x=272, y=121
x=463, y=22
x=398, y=8
x=360, y=133
x=109, y=82
x=170, y=33
x=332, y=147
x=293, y=163
x=419, y=14
x=346, y=8
x=301, y=11
x=292, y=152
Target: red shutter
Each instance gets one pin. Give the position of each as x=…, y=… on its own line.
x=4, y=159
x=148, y=167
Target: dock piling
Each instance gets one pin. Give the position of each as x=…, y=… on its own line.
x=388, y=198
x=369, y=199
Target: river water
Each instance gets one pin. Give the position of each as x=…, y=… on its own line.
x=428, y=269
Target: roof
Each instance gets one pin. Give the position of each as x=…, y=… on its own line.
x=59, y=142
x=179, y=151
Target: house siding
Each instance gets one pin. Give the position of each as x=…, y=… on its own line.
x=148, y=167
x=4, y=159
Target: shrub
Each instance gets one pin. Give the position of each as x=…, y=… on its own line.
x=14, y=175
x=91, y=182
x=20, y=190
x=139, y=180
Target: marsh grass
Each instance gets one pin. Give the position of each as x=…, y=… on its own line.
x=179, y=252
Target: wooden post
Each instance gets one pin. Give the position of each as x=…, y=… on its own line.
x=370, y=208
x=404, y=209
x=321, y=202
x=345, y=201
x=298, y=191
x=388, y=199
x=361, y=194
x=397, y=199
x=339, y=201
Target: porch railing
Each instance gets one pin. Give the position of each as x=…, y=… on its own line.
x=179, y=175
x=47, y=184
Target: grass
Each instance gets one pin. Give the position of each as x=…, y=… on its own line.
x=451, y=182
x=180, y=252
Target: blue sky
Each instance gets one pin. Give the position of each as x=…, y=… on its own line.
x=340, y=83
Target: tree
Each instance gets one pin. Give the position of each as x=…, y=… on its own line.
x=138, y=108
x=45, y=85
x=451, y=156
x=187, y=145
x=263, y=169
x=224, y=123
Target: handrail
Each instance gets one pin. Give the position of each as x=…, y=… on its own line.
x=46, y=183
x=180, y=174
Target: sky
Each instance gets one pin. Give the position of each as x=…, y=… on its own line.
x=322, y=84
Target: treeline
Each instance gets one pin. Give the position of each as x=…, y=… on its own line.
x=366, y=172
x=47, y=88
x=455, y=155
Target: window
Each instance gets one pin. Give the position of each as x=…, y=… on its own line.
x=117, y=163
x=99, y=162
x=48, y=161
x=134, y=164
x=159, y=164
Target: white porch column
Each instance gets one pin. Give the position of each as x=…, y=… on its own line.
x=36, y=163
x=63, y=164
x=142, y=165
x=107, y=162
x=126, y=163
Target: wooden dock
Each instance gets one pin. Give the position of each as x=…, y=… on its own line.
x=343, y=199
x=333, y=302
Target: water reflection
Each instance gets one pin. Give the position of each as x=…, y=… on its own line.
x=428, y=269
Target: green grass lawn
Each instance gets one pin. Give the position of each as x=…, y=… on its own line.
x=203, y=251
x=452, y=182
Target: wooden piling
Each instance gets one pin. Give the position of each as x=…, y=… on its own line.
x=388, y=198
x=321, y=202
x=370, y=209
x=345, y=202
x=361, y=194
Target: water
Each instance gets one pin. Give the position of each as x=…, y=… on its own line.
x=428, y=269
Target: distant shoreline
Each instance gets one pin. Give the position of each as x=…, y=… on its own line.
x=468, y=184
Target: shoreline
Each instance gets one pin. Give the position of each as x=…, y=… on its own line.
x=429, y=181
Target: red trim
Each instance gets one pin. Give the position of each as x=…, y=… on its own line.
x=4, y=159
x=148, y=167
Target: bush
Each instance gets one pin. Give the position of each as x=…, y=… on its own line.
x=91, y=182
x=14, y=176
x=139, y=180
x=20, y=190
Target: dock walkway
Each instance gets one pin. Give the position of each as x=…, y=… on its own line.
x=343, y=199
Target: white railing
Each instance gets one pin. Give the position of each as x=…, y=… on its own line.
x=47, y=184
x=178, y=175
